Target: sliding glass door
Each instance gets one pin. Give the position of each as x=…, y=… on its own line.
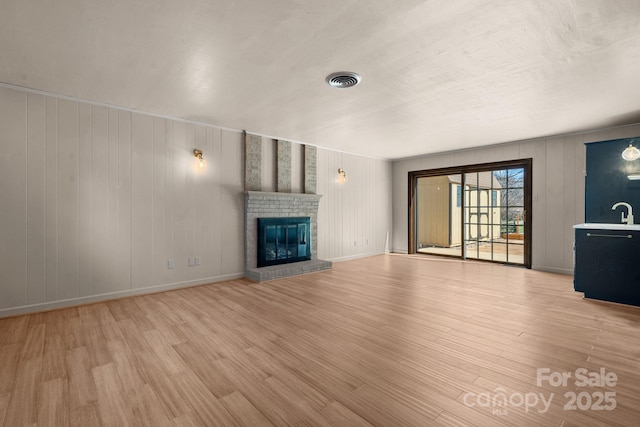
x=473, y=212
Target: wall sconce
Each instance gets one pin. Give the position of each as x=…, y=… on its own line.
x=342, y=176
x=200, y=162
x=631, y=153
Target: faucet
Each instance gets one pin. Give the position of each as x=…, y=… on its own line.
x=629, y=217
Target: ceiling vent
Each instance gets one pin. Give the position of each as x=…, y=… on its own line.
x=343, y=79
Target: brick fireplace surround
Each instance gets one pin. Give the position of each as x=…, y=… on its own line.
x=262, y=204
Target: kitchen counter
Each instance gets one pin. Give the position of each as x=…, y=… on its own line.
x=603, y=226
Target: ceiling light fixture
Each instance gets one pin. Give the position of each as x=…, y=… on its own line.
x=631, y=153
x=344, y=79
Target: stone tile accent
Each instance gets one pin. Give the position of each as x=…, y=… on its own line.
x=252, y=162
x=284, y=167
x=310, y=169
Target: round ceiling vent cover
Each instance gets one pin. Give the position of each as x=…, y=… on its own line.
x=343, y=79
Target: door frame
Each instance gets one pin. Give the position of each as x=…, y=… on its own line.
x=525, y=164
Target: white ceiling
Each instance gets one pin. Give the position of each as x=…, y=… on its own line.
x=438, y=75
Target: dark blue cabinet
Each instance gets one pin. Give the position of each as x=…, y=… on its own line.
x=607, y=180
x=607, y=264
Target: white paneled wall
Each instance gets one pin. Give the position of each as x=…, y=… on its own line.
x=355, y=217
x=96, y=200
x=558, y=189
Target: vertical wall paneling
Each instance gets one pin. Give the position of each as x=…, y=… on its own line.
x=170, y=275
x=349, y=194
x=384, y=206
x=212, y=256
x=233, y=201
x=554, y=192
x=68, y=200
x=142, y=162
x=84, y=161
x=51, y=198
x=190, y=195
x=200, y=185
x=328, y=207
x=360, y=221
x=339, y=206
x=99, y=250
x=353, y=217
x=348, y=191
x=123, y=254
x=322, y=206
x=13, y=188
x=36, y=198
x=571, y=146
x=332, y=187
x=159, y=185
x=180, y=200
x=537, y=151
x=112, y=257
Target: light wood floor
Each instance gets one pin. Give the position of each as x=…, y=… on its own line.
x=387, y=341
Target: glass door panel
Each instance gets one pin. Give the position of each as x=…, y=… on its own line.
x=494, y=215
x=480, y=214
x=514, y=220
x=438, y=215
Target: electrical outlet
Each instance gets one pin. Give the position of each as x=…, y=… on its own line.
x=197, y=260
x=171, y=264
x=192, y=262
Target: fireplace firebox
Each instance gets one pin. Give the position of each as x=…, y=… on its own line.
x=283, y=240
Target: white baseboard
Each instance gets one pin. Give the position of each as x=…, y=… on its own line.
x=400, y=251
x=352, y=257
x=45, y=306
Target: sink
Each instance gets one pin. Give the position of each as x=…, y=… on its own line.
x=603, y=226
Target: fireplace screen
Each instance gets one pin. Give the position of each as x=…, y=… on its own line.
x=283, y=240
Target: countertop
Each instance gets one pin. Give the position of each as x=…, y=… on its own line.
x=603, y=226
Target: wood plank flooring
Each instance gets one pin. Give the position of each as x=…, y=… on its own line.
x=391, y=340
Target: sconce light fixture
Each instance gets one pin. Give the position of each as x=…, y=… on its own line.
x=342, y=176
x=631, y=153
x=200, y=162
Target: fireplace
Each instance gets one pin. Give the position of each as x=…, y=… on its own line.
x=283, y=240
x=296, y=251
